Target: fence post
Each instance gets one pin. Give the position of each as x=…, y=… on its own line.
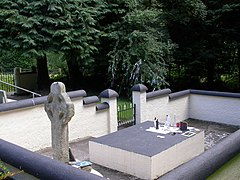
x=139, y=100
x=17, y=79
x=110, y=96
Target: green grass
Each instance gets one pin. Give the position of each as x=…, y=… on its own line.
x=229, y=171
x=122, y=101
x=126, y=114
x=6, y=78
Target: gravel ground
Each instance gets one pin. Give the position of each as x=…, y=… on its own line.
x=214, y=133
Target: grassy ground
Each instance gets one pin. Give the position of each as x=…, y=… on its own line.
x=8, y=78
x=125, y=108
x=122, y=101
x=229, y=171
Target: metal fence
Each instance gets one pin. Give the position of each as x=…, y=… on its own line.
x=126, y=115
x=7, y=77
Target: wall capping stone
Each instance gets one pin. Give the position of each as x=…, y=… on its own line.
x=108, y=93
x=215, y=93
x=76, y=94
x=102, y=106
x=90, y=100
x=208, y=162
x=203, y=92
x=139, y=87
x=40, y=166
x=35, y=101
x=158, y=93
x=179, y=94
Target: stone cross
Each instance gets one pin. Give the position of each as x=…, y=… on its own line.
x=60, y=110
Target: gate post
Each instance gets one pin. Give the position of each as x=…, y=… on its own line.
x=139, y=101
x=110, y=96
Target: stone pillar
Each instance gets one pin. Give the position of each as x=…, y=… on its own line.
x=139, y=99
x=60, y=110
x=17, y=80
x=110, y=96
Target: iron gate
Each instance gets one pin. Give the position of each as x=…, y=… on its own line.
x=126, y=115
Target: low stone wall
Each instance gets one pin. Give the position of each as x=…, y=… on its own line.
x=24, y=121
x=220, y=107
x=37, y=166
x=26, y=124
x=208, y=162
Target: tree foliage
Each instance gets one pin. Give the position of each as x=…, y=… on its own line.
x=205, y=38
x=48, y=25
x=12, y=58
x=180, y=43
x=137, y=38
x=37, y=27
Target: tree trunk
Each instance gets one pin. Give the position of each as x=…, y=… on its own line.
x=73, y=69
x=210, y=75
x=238, y=60
x=42, y=69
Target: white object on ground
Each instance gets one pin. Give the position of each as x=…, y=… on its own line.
x=93, y=171
x=162, y=137
x=163, y=130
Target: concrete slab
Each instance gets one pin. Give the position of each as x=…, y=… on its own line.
x=142, y=153
x=137, y=140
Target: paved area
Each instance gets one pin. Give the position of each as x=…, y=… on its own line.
x=214, y=133
x=80, y=151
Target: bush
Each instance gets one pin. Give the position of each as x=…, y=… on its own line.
x=12, y=58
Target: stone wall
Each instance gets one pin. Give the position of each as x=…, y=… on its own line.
x=216, y=107
x=208, y=162
x=25, y=123
x=36, y=166
x=220, y=107
x=160, y=103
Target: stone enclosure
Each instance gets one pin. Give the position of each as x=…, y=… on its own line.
x=97, y=116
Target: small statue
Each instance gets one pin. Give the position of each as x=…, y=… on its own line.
x=157, y=124
x=154, y=122
x=167, y=122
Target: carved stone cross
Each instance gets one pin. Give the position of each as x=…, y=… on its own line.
x=60, y=110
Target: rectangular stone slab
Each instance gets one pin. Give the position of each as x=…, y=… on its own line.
x=142, y=153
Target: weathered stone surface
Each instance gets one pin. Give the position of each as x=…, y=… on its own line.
x=60, y=110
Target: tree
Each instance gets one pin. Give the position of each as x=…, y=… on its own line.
x=14, y=59
x=207, y=35
x=37, y=27
x=225, y=17
x=185, y=25
x=19, y=30
x=139, y=45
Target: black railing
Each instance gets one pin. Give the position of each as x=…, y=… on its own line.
x=126, y=115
